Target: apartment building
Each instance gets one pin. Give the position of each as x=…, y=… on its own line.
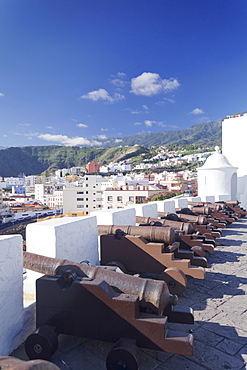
x=55, y=200
x=85, y=198
x=127, y=195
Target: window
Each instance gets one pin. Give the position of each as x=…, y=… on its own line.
x=86, y=205
x=86, y=185
x=86, y=178
x=79, y=199
x=109, y=198
x=119, y=198
x=80, y=192
x=86, y=199
x=86, y=192
x=80, y=205
x=131, y=199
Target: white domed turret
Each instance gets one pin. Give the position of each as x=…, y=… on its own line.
x=217, y=177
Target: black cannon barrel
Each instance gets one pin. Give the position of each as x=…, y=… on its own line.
x=157, y=234
x=153, y=294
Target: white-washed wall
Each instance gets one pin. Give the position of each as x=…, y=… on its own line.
x=72, y=238
x=122, y=216
x=11, y=292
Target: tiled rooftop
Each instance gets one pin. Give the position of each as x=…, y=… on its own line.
x=220, y=310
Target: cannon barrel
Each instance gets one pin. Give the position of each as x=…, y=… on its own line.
x=157, y=234
x=202, y=210
x=153, y=294
x=177, y=225
x=215, y=206
x=199, y=220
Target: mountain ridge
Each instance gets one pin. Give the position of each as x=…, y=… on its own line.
x=33, y=160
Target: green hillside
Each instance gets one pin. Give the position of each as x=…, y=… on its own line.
x=36, y=159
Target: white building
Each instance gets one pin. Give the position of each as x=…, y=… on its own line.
x=85, y=198
x=127, y=195
x=218, y=178
x=234, y=133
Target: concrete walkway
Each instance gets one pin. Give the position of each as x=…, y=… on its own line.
x=220, y=309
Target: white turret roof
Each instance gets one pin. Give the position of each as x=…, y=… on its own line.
x=216, y=160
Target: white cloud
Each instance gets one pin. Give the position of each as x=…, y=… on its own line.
x=197, y=111
x=104, y=129
x=150, y=123
x=24, y=124
x=1, y=94
x=81, y=125
x=145, y=107
x=118, y=141
x=119, y=83
x=102, y=94
x=121, y=74
x=149, y=84
x=161, y=102
x=67, y=141
x=102, y=137
x=50, y=127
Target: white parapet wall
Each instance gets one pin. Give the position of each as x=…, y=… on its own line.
x=11, y=288
x=165, y=205
x=208, y=198
x=122, y=216
x=222, y=198
x=72, y=238
x=194, y=199
x=181, y=202
x=146, y=209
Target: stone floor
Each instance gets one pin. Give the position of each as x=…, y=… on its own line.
x=220, y=310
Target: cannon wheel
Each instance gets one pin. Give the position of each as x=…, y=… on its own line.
x=42, y=343
x=175, y=280
x=123, y=356
x=117, y=264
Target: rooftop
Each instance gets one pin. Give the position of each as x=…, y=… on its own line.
x=220, y=310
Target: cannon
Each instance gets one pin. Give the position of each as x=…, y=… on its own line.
x=100, y=303
x=218, y=210
x=200, y=223
x=197, y=243
x=207, y=211
x=135, y=254
x=155, y=234
x=198, y=220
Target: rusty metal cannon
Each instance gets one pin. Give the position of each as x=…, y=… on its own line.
x=185, y=227
x=88, y=302
x=200, y=223
x=197, y=243
x=218, y=211
x=198, y=220
x=207, y=211
x=155, y=234
x=131, y=248
x=235, y=208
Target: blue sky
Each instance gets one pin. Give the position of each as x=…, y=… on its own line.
x=76, y=72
